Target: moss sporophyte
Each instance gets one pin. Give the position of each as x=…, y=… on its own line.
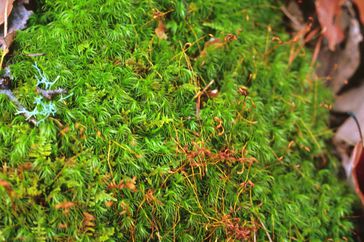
x=146, y=148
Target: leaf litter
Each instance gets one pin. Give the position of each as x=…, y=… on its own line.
x=338, y=53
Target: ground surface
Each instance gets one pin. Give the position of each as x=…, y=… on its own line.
x=144, y=150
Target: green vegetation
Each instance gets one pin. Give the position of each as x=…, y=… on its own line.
x=130, y=156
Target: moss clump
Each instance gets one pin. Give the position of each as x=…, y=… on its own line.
x=126, y=158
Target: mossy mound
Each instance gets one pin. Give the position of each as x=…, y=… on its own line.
x=139, y=152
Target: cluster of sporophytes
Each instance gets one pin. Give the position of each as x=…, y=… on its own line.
x=186, y=123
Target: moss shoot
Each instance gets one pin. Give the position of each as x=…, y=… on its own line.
x=186, y=123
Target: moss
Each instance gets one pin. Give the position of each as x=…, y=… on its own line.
x=127, y=158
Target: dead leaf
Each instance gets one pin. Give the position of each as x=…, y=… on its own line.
x=360, y=5
x=294, y=13
x=339, y=66
x=355, y=168
x=348, y=135
x=7, y=41
x=350, y=101
x=3, y=5
x=19, y=18
x=26, y=2
x=328, y=12
x=348, y=132
x=17, y=21
x=160, y=31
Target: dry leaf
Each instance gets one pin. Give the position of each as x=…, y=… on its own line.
x=360, y=5
x=339, y=66
x=347, y=136
x=295, y=15
x=160, y=31
x=17, y=21
x=19, y=18
x=355, y=167
x=328, y=12
x=350, y=101
x=3, y=5
x=348, y=132
x=6, y=42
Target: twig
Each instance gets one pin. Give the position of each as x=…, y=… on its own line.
x=198, y=96
x=6, y=19
x=205, y=89
x=4, y=47
x=49, y=94
x=265, y=229
x=296, y=23
x=19, y=106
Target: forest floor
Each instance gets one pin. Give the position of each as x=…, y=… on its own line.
x=158, y=120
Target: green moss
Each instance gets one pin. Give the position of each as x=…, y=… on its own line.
x=128, y=150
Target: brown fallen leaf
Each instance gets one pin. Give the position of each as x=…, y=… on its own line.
x=5, y=42
x=339, y=66
x=350, y=101
x=295, y=15
x=348, y=135
x=5, y=7
x=17, y=21
x=360, y=5
x=356, y=168
x=19, y=17
x=348, y=131
x=160, y=31
x=328, y=12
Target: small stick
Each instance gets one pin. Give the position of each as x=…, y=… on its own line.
x=198, y=96
x=6, y=19
x=20, y=107
x=49, y=94
x=265, y=230
x=205, y=89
